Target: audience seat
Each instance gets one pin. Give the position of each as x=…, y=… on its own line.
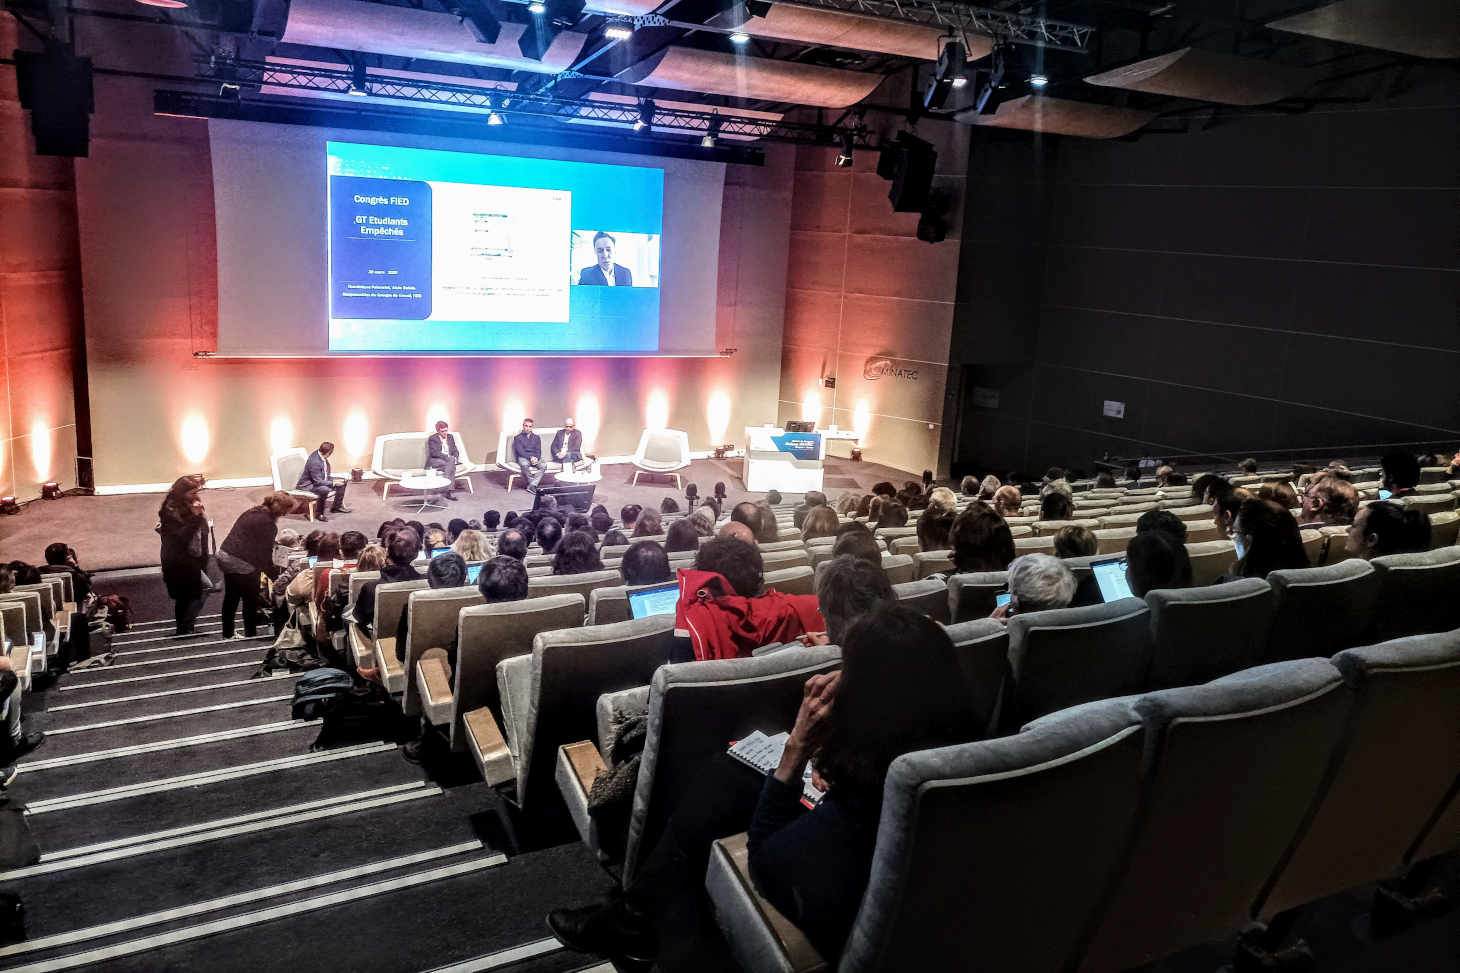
x=1193, y=511
x=911, y=545
x=1067, y=656
x=1401, y=752
x=934, y=562
x=899, y=567
x=1209, y=561
x=1118, y=520
x=1233, y=767
x=1434, y=475
x=286, y=468
x=45, y=594
x=795, y=544
x=983, y=653
x=926, y=597
x=1200, y=634
x=1198, y=532
x=1430, y=504
x=548, y=697
x=24, y=654
x=799, y=580
x=1320, y=611
x=969, y=839
x=1335, y=543
x=778, y=560
x=1313, y=546
x=1049, y=528
x=487, y=634
x=1444, y=528
x=1417, y=594
x=1113, y=540
x=971, y=595
x=432, y=616
x=390, y=603
x=1034, y=545
x=567, y=584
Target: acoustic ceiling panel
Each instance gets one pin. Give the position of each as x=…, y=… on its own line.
x=1057, y=116
x=1209, y=76
x=1423, y=28
x=814, y=25
x=355, y=25
x=756, y=78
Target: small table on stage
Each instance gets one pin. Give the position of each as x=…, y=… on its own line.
x=428, y=484
x=589, y=474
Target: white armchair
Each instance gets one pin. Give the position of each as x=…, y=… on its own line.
x=398, y=454
x=661, y=452
x=286, y=467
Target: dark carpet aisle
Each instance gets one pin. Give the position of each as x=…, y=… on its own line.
x=185, y=824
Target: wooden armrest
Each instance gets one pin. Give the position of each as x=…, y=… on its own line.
x=586, y=761
x=435, y=691
x=488, y=748
x=730, y=858
x=392, y=670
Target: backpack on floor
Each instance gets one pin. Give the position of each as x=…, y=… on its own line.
x=363, y=714
x=316, y=689
x=12, y=919
x=118, y=611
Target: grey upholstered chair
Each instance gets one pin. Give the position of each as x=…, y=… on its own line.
x=1417, y=593
x=968, y=837
x=571, y=584
x=390, y=604
x=1403, y=743
x=790, y=581
x=1320, y=611
x=433, y=616
x=1204, y=633
x=548, y=697
x=982, y=646
x=1067, y=656
x=971, y=595
x=926, y=597
x=1234, y=766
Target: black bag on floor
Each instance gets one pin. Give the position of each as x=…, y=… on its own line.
x=365, y=713
x=315, y=690
x=12, y=919
x=299, y=659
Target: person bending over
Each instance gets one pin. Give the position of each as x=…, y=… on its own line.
x=899, y=689
x=246, y=553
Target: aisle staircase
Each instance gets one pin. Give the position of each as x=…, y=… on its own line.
x=185, y=824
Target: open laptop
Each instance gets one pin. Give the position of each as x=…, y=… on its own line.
x=1110, y=576
x=473, y=572
x=658, y=600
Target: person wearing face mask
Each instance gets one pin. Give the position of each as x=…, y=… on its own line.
x=1266, y=538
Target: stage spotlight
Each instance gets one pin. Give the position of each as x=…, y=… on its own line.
x=619, y=30
x=51, y=491
x=713, y=133
x=947, y=75
x=535, y=8
x=740, y=37
x=646, y=116
x=169, y=4
x=557, y=16
x=494, y=119
x=990, y=93
x=844, y=160
x=357, y=80
x=856, y=455
x=1038, y=80
x=9, y=505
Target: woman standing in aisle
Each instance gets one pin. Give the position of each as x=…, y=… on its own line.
x=183, y=525
x=246, y=553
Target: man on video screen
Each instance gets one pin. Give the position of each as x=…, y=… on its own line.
x=606, y=272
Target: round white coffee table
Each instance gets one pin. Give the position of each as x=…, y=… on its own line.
x=428, y=485
x=590, y=474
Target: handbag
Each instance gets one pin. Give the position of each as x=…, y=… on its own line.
x=212, y=572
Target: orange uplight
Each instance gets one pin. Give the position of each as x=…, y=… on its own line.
x=656, y=409
x=811, y=407
x=589, y=417
x=194, y=438
x=438, y=412
x=356, y=433
x=862, y=418
x=717, y=416
x=40, y=449
x=513, y=412
x=281, y=434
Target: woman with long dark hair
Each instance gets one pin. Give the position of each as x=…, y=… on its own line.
x=1267, y=539
x=183, y=524
x=899, y=690
x=577, y=554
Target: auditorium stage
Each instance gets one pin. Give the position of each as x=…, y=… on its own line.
x=112, y=532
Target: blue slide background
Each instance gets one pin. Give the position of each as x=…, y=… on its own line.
x=627, y=199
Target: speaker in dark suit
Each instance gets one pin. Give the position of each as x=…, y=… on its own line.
x=318, y=479
x=443, y=455
x=605, y=272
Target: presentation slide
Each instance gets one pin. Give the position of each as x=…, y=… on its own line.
x=454, y=251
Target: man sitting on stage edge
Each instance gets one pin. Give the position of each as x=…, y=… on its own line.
x=567, y=445
x=316, y=478
x=442, y=454
x=527, y=454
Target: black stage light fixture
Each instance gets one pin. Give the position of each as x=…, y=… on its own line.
x=844, y=159
x=990, y=85
x=55, y=85
x=908, y=162
x=713, y=132
x=358, y=84
x=932, y=228
x=619, y=29
x=646, y=116
x=556, y=17
x=947, y=75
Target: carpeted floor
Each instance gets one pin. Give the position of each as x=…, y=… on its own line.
x=115, y=532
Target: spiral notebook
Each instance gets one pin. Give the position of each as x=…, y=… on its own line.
x=763, y=753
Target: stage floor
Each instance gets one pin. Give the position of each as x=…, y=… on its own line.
x=114, y=532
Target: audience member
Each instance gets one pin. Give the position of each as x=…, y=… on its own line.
x=1133, y=475
x=1225, y=509
x=503, y=579
x=491, y=520
x=600, y=520
x=245, y=553
x=774, y=498
x=681, y=536
x=1037, y=582
x=1007, y=501
x=1387, y=528
x=1105, y=480
x=648, y=524
x=857, y=540
x=512, y=543
x=473, y=546
x=846, y=504
x=445, y=571
x=770, y=528
x=549, y=533
x=527, y=529
x=616, y=538
x=864, y=505
x=981, y=541
x=812, y=500
x=1209, y=488
x=1156, y=559
x=404, y=547
x=1052, y=474
x=454, y=527
x=317, y=478
x=820, y=521
x=968, y=486
x=1328, y=500
x=874, y=512
x=371, y=559
x=1162, y=520
x=989, y=487
x=25, y=573
x=576, y=554
x=668, y=505
x=893, y=514
x=884, y=489
x=1401, y=474
x=1163, y=476
x=848, y=588
x=738, y=531
x=942, y=500
x=628, y=516
x=1056, y=506
x=646, y=563
x=1280, y=493
x=1248, y=466
x=60, y=559
x=183, y=526
x=1267, y=539
x=748, y=514
x=1176, y=480
x=812, y=866
x=736, y=560
x=1075, y=541
x=934, y=528
x=352, y=542
x=705, y=516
